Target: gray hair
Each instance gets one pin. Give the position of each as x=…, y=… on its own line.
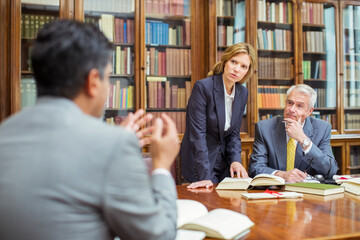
x=304, y=89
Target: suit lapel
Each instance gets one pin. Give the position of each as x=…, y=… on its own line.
x=219, y=102
x=279, y=143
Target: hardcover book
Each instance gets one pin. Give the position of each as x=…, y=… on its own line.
x=314, y=188
x=244, y=183
x=193, y=215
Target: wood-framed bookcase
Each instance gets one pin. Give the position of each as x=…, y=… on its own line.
x=240, y=19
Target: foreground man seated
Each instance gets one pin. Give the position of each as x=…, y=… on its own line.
x=65, y=174
x=296, y=144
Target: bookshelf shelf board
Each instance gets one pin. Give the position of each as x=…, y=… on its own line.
x=169, y=46
x=352, y=109
x=311, y=26
x=274, y=53
x=271, y=109
x=123, y=44
x=166, y=109
x=352, y=54
x=225, y=17
x=275, y=25
x=325, y=109
x=353, y=167
x=315, y=53
x=166, y=17
x=49, y=7
x=97, y=14
x=24, y=72
x=119, y=109
x=170, y=76
x=315, y=80
x=27, y=40
x=275, y=79
x=121, y=75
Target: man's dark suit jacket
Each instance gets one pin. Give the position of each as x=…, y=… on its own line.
x=204, y=135
x=269, y=150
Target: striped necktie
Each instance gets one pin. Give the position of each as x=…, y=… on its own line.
x=290, y=154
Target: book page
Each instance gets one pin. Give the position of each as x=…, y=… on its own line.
x=231, y=224
x=183, y=234
x=267, y=180
x=234, y=183
x=189, y=210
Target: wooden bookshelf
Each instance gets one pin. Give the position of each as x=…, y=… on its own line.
x=331, y=67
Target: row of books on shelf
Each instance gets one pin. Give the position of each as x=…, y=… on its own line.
x=352, y=120
x=278, y=39
x=164, y=95
x=275, y=68
x=31, y=23
x=314, y=69
x=178, y=117
x=355, y=156
x=352, y=70
x=314, y=41
x=271, y=11
x=351, y=17
x=275, y=96
x=330, y=118
x=326, y=97
x=120, y=97
x=224, y=8
x=352, y=96
x=123, y=61
x=170, y=61
x=225, y=35
x=123, y=6
x=117, y=30
x=28, y=92
x=160, y=33
x=352, y=40
x=272, y=96
x=168, y=7
x=312, y=13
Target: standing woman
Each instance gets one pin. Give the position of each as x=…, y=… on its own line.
x=211, y=147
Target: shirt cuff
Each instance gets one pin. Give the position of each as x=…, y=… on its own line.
x=308, y=149
x=274, y=172
x=161, y=171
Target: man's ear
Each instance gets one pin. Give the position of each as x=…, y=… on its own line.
x=310, y=111
x=92, y=83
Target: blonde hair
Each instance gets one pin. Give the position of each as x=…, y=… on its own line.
x=229, y=53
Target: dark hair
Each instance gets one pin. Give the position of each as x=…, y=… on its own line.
x=63, y=54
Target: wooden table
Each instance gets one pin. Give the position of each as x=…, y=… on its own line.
x=331, y=217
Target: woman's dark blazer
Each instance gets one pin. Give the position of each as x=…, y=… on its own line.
x=204, y=135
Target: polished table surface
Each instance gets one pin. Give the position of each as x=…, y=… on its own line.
x=330, y=217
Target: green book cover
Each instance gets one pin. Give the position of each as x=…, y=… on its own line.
x=314, y=185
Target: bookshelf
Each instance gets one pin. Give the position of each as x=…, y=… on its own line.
x=34, y=14
x=116, y=21
x=274, y=40
x=168, y=58
x=319, y=59
x=351, y=65
x=289, y=62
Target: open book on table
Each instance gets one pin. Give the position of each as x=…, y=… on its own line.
x=218, y=223
x=244, y=183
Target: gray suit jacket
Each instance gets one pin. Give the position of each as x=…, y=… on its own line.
x=66, y=175
x=269, y=150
